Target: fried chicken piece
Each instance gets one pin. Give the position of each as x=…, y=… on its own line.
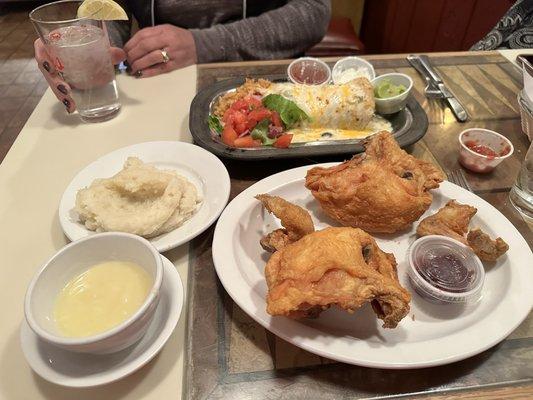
x=341, y=267
x=451, y=220
x=484, y=247
x=295, y=220
x=382, y=190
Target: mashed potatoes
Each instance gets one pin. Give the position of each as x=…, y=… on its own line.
x=140, y=199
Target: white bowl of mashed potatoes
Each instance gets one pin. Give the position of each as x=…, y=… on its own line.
x=96, y=295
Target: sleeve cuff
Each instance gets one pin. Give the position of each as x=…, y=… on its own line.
x=212, y=44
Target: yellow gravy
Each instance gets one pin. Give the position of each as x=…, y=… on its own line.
x=101, y=298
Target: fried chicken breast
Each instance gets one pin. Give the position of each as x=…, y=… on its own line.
x=452, y=220
x=382, y=190
x=341, y=267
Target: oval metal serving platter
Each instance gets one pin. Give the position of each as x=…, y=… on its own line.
x=409, y=126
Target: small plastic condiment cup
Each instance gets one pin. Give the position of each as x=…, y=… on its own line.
x=391, y=105
x=478, y=162
x=352, y=62
x=317, y=71
x=424, y=250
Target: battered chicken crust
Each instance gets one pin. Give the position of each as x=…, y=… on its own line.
x=295, y=220
x=382, y=190
x=452, y=220
x=341, y=267
x=484, y=247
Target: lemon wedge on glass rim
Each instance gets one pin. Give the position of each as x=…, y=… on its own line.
x=103, y=10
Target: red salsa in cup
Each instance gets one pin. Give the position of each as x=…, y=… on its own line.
x=485, y=150
x=309, y=72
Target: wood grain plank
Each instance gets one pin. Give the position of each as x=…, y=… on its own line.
x=373, y=35
x=503, y=393
x=424, y=25
x=7, y=138
x=481, y=80
x=249, y=349
x=454, y=23
x=401, y=25
x=460, y=85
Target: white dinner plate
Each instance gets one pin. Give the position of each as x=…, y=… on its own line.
x=71, y=369
x=199, y=166
x=430, y=335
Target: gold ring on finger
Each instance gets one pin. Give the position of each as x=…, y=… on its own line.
x=165, y=56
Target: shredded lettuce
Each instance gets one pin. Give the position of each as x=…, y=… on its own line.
x=260, y=132
x=288, y=111
x=214, y=124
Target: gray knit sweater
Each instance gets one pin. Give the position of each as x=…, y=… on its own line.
x=270, y=29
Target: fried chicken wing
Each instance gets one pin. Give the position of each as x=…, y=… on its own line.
x=341, y=267
x=452, y=220
x=295, y=220
x=382, y=190
x=484, y=247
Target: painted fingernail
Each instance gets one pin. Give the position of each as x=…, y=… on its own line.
x=138, y=74
x=62, y=89
x=67, y=105
x=46, y=66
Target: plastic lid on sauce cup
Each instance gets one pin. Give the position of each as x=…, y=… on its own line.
x=443, y=270
x=309, y=71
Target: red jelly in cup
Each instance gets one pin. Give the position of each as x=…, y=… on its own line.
x=443, y=270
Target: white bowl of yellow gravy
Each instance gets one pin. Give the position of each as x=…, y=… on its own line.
x=96, y=295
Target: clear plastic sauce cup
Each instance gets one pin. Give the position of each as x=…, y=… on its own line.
x=445, y=271
x=309, y=71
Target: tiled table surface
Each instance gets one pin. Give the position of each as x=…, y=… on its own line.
x=21, y=83
x=232, y=356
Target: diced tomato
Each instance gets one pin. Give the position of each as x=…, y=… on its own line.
x=228, y=115
x=235, y=119
x=239, y=117
x=240, y=105
x=229, y=135
x=250, y=124
x=240, y=128
x=247, y=141
x=253, y=102
x=283, y=141
x=276, y=120
x=259, y=114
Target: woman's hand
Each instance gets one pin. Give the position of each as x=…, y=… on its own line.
x=61, y=88
x=144, y=55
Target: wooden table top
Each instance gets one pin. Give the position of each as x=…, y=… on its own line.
x=230, y=356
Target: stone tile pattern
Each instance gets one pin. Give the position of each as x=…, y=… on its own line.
x=21, y=83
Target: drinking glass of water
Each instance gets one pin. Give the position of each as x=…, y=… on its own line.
x=521, y=194
x=79, y=48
